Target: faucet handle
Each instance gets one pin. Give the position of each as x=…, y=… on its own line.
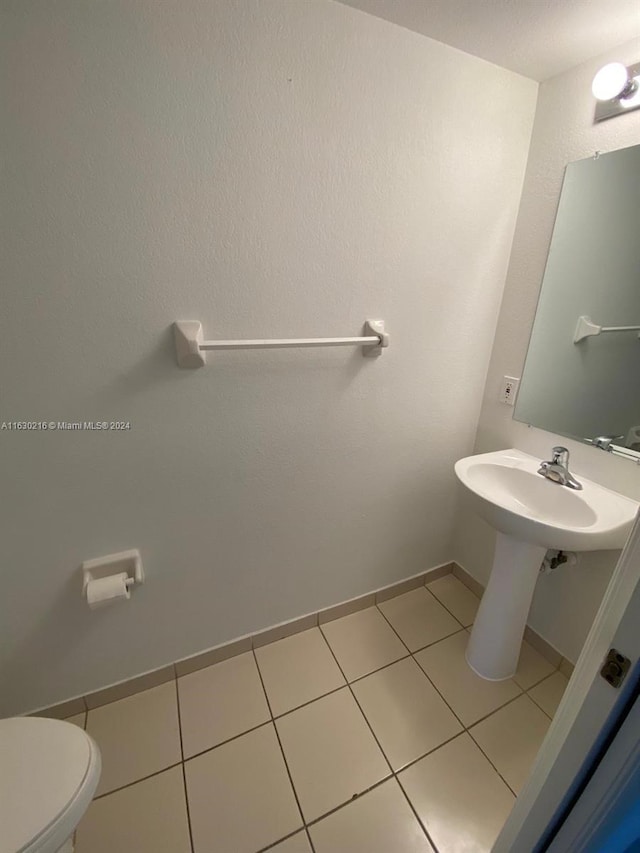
x=560, y=456
x=604, y=442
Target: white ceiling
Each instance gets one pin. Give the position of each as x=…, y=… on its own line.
x=537, y=38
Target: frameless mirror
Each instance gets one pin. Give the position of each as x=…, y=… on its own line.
x=582, y=374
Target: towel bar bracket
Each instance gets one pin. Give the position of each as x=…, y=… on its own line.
x=586, y=328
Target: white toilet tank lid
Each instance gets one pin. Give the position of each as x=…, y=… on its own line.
x=43, y=766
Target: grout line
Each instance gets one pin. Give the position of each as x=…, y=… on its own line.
x=393, y=773
x=298, y=707
x=273, y=844
x=495, y=710
x=174, y=664
x=418, y=818
x=537, y=704
x=428, y=752
x=470, y=626
x=375, y=671
x=536, y=683
x=309, y=839
x=353, y=799
x=179, y=721
x=388, y=621
x=384, y=754
x=311, y=701
x=264, y=689
x=466, y=728
x=186, y=800
x=341, y=687
x=549, y=675
x=515, y=794
x=142, y=779
x=448, y=609
x=392, y=628
x=435, y=642
x=277, y=733
x=182, y=764
x=228, y=740
x=353, y=695
x=347, y=684
x=308, y=702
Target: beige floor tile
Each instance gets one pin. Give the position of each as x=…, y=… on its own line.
x=405, y=711
x=419, y=618
x=220, y=702
x=297, y=670
x=549, y=692
x=240, y=796
x=459, y=797
x=149, y=817
x=331, y=752
x=137, y=736
x=363, y=642
x=470, y=696
x=532, y=667
x=456, y=597
x=78, y=720
x=380, y=821
x=298, y=843
x=511, y=738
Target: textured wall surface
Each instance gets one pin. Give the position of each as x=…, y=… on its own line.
x=272, y=169
x=565, y=603
x=537, y=38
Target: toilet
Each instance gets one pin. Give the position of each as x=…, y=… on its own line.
x=49, y=771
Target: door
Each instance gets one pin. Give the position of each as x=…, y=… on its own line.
x=606, y=816
x=588, y=716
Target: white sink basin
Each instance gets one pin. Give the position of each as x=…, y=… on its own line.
x=506, y=490
x=531, y=515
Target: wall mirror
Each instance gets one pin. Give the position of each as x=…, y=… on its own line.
x=582, y=373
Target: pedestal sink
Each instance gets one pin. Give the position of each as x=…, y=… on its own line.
x=531, y=514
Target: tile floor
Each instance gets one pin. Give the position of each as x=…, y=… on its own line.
x=368, y=734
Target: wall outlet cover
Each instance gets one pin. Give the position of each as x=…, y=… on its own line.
x=509, y=390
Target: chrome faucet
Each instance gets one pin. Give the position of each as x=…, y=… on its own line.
x=604, y=442
x=557, y=470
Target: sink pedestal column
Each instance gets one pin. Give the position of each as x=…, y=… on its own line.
x=496, y=638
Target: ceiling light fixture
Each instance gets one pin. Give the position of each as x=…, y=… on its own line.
x=616, y=88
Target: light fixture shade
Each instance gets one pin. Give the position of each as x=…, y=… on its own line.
x=610, y=81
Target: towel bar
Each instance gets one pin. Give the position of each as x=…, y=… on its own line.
x=191, y=348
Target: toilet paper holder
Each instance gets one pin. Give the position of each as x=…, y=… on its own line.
x=113, y=564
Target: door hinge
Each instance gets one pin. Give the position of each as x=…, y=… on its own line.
x=615, y=668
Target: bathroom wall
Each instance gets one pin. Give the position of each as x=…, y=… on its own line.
x=272, y=169
x=565, y=603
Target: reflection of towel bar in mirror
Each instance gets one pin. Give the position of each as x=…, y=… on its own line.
x=586, y=329
x=190, y=347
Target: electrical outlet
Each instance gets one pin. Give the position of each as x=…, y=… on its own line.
x=509, y=390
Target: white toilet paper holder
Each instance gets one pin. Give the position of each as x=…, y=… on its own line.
x=113, y=564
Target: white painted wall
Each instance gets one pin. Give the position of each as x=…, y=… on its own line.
x=565, y=603
x=274, y=168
